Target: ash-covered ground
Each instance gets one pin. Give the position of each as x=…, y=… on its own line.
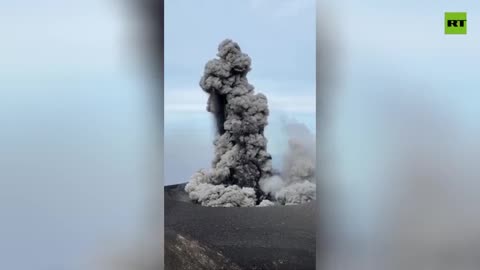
x=249, y=238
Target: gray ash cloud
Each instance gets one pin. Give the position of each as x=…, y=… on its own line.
x=241, y=161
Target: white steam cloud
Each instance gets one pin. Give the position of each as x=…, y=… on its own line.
x=296, y=183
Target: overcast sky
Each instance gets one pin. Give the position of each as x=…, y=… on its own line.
x=279, y=36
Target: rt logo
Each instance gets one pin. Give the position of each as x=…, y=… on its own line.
x=455, y=23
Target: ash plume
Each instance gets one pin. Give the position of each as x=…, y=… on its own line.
x=241, y=173
x=241, y=158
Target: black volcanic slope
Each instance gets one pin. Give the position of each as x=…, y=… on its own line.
x=252, y=238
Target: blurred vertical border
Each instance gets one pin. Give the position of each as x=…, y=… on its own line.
x=152, y=12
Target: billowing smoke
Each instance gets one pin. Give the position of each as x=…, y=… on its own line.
x=296, y=183
x=241, y=163
x=207, y=194
x=241, y=157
